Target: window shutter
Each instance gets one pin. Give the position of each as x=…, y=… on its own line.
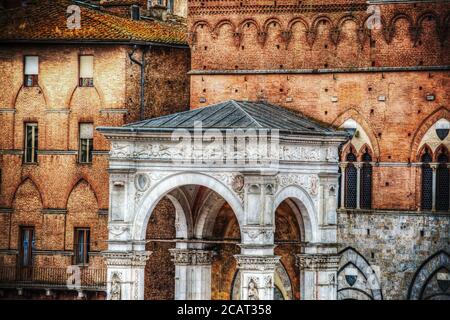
x=86, y=131
x=86, y=66
x=31, y=65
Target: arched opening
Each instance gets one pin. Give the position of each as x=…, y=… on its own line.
x=226, y=235
x=366, y=181
x=190, y=217
x=427, y=181
x=289, y=242
x=350, y=181
x=442, y=180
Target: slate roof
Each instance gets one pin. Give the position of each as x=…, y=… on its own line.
x=234, y=114
x=46, y=20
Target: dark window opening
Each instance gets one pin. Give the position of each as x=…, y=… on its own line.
x=350, y=182
x=442, y=183
x=26, y=246
x=82, y=239
x=366, y=182
x=427, y=182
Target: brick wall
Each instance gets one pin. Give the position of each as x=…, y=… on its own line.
x=59, y=194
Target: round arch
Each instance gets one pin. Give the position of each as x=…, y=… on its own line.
x=306, y=213
x=162, y=188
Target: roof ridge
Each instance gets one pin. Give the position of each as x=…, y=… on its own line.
x=236, y=104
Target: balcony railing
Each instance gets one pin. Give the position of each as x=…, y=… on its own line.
x=84, y=278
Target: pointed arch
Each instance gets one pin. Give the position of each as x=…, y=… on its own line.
x=427, y=123
x=365, y=148
x=33, y=187
x=355, y=115
x=425, y=149
x=78, y=183
x=368, y=283
x=425, y=273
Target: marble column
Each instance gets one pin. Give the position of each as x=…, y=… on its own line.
x=343, y=166
x=318, y=275
x=358, y=185
x=125, y=274
x=257, y=261
x=448, y=167
x=433, y=166
x=192, y=274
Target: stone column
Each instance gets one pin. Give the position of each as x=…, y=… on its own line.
x=358, y=166
x=343, y=166
x=192, y=274
x=257, y=260
x=257, y=276
x=433, y=166
x=448, y=167
x=318, y=275
x=125, y=274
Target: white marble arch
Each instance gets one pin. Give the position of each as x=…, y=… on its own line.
x=306, y=215
x=168, y=184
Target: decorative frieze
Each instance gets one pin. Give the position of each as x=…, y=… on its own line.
x=308, y=182
x=317, y=262
x=257, y=263
x=191, y=257
x=126, y=259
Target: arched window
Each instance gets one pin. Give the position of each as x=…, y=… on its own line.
x=350, y=181
x=442, y=182
x=366, y=181
x=427, y=181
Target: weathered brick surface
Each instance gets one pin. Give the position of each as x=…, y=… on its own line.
x=395, y=126
x=79, y=192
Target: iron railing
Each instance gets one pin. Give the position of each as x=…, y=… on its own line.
x=47, y=277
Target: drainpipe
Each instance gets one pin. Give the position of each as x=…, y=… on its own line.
x=141, y=64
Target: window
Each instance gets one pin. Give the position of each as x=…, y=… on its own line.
x=427, y=182
x=366, y=181
x=86, y=71
x=350, y=181
x=86, y=142
x=26, y=246
x=82, y=238
x=31, y=142
x=442, y=183
x=170, y=6
x=31, y=71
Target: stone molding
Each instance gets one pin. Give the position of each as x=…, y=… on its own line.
x=257, y=263
x=189, y=257
x=126, y=259
x=317, y=262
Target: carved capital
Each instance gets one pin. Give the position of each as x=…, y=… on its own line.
x=317, y=262
x=257, y=263
x=189, y=257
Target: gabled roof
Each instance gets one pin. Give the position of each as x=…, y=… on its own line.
x=233, y=114
x=46, y=20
